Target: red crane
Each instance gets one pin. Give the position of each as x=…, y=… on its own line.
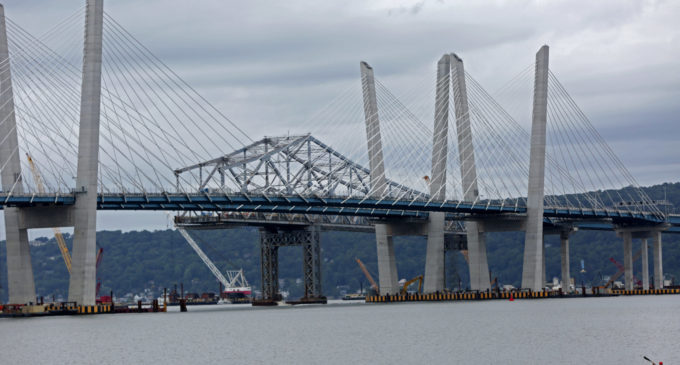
x=100, y=255
x=622, y=269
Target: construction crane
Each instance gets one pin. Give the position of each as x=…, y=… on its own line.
x=236, y=277
x=368, y=275
x=57, y=233
x=419, y=279
x=622, y=269
x=100, y=256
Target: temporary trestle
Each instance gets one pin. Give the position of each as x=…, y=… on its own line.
x=271, y=238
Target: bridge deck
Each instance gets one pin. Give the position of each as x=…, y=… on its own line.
x=384, y=208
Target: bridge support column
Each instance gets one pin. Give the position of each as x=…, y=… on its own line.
x=270, y=241
x=435, y=257
x=435, y=254
x=658, y=260
x=387, y=264
x=20, y=282
x=628, y=259
x=269, y=266
x=532, y=278
x=311, y=259
x=478, y=264
x=564, y=253
x=83, y=273
x=645, y=263
x=479, y=267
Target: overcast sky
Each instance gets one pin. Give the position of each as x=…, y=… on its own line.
x=275, y=62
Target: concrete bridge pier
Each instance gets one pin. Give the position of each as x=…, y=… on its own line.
x=658, y=260
x=388, y=279
x=21, y=285
x=478, y=263
x=645, y=263
x=628, y=259
x=644, y=234
x=564, y=255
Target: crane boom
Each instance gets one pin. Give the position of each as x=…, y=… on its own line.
x=368, y=275
x=622, y=270
x=57, y=233
x=205, y=258
x=419, y=279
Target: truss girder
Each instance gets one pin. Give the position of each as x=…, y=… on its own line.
x=300, y=165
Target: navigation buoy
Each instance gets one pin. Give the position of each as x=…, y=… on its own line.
x=512, y=298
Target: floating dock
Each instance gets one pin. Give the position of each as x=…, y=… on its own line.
x=62, y=309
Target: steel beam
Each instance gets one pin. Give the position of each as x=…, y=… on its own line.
x=269, y=266
x=311, y=259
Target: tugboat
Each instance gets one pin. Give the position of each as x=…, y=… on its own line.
x=354, y=296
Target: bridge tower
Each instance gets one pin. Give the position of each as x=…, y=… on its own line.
x=476, y=240
x=19, y=270
x=434, y=259
x=83, y=215
x=83, y=273
x=533, y=272
x=387, y=265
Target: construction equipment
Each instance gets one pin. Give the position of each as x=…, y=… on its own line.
x=368, y=275
x=57, y=233
x=465, y=256
x=236, y=281
x=622, y=269
x=419, y=279
x=100, y=255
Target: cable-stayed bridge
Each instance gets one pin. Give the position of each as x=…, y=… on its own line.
x=146, y=140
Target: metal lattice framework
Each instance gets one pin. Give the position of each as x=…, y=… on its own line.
x=289, y=165
x=270, y=241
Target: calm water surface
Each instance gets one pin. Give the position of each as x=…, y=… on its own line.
x=557, y=331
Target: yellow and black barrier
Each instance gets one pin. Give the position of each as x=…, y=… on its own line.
x=95, y=309
x=646, y=291
x=493, y=295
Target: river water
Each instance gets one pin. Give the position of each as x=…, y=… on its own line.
x=617, y=330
